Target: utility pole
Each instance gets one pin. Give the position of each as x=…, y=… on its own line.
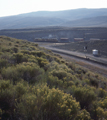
x=85, y=47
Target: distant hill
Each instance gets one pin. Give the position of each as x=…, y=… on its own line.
x=100, y=21
x=73, y=18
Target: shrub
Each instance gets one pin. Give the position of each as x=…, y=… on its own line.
x=101, y=114
x=37, y=53
x=25, y=51
x=16, y=45
x=15, y=49
x=6, y=99
x=94, y=81
x=42, y=62
x=27, y=71
x=59, y=105
x=103, y=103
x=45, y=103
x=10, y=73
x=32, y=59
x=71, y=65
x=10, y=44
x=103, y=85
x=6, y=50
x=62, y=72
x=83, y=115
x=59, y=73
x=52, y=65
x=85, y=95
x=102, y=93
x=54, y=82
x=49, y=57
x=3, y=63
x=20, y=90
x=18, y=57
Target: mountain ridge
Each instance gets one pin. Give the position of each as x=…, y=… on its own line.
x=70, y=18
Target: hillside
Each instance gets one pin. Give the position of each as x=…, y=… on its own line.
x=38, y=84
x=100, y=21
x=73, y=18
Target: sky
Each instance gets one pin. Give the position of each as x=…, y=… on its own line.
x=14, y=7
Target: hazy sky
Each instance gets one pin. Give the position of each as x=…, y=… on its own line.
x=14, y=7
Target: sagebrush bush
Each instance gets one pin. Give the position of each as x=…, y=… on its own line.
x=83, y=115
x=85, y=95
x=42, y=61
x=27, y=71
x=19, y=58
x=36, y=84
x=45, y=103
x=4, y=63
x=53, y=81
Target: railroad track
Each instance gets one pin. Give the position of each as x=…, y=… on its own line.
x=88, y=57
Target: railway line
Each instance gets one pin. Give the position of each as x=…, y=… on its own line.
x=84, y=56
x=95, y=64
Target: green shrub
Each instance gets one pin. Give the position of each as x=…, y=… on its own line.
x=15, y=49
x=49, y=57
x=19, y=58
x=101, y=113
x=85, y=95
x=102, y=93
x=103, y=85
x=54, y=82
x=20, y=90
x=37, y=53
x=4, y=84
x=59, y=73
x=27, y=92
x=25, y=51
x=29, y=72
x=6, y=50
x=103, y=103
x=83, y=115
x=45, y=103
x=32, y=59
x=4, y=63
x=58, y=105
x=6, y=100
x=6, y=97
x=42, y=62
x=94, y=81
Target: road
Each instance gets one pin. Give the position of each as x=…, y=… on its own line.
x=79, y=55
x=79, y=58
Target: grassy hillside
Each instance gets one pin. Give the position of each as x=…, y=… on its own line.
x=37, y=84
